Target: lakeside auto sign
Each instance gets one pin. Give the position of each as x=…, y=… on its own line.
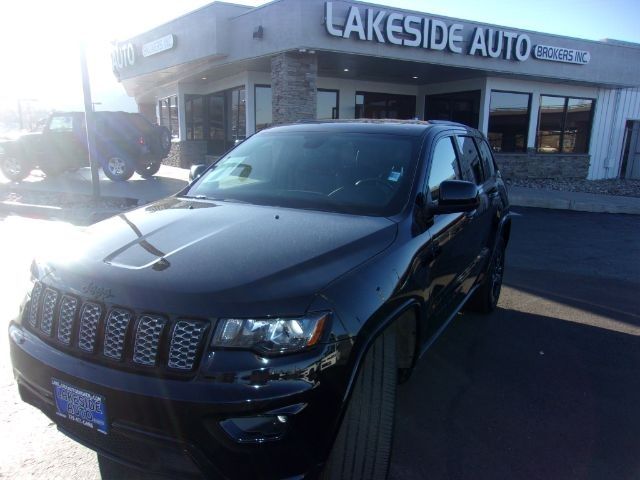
x=434, y=34
x=123, y=55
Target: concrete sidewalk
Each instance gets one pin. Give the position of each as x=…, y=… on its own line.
x=167, y=181
x=581, y=202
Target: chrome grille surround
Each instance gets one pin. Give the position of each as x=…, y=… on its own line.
x=148, y=333
x=35, y=303
x=66, y=317
x=115, y=332
x=48, y=309
x=185, y=341
x=89, y=319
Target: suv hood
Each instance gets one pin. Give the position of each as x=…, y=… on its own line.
x=214, y=258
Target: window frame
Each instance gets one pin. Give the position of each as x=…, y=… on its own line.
x=564, y=124
x=529, y=112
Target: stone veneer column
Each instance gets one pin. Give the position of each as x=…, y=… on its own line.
x=293, y=87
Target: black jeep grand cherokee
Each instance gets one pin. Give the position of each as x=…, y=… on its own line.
x=255, y=325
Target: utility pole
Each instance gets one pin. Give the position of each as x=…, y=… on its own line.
x=89, y=121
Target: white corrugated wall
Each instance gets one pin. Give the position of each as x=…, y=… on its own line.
x=613, y=109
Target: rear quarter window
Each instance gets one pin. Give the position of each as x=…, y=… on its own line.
x=487, y=158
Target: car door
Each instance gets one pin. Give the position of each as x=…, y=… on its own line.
x=64, y=144
x=480, y=220
x=447, y=231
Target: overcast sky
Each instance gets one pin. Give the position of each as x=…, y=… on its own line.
x=39, y=39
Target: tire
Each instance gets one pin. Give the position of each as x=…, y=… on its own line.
x=485, y=299
x=362, y=448
x=13, y=167
x=148, y=168
x=118, y=169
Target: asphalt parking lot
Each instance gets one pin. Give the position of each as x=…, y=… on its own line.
x=547, y=387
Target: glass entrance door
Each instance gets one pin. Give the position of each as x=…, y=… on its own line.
x=219, y=118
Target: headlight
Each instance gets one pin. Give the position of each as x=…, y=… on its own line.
x=270, y=335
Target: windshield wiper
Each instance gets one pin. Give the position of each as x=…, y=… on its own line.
x=197, y=197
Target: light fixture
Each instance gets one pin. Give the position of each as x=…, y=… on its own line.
x=204, y=78
x=415, y=77
x=346, y=69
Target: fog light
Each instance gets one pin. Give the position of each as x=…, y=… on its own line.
x=255, y=429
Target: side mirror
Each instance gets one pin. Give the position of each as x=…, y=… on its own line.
x=196, y=171
x=456, y=196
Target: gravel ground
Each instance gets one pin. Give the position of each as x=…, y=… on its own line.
x=621, y=187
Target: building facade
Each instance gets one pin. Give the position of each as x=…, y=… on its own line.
x=551, y=106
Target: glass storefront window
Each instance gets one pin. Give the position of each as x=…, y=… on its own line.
x=168, y=114
x=327, y=108
x=238, y=128
x=509, y=121
x=550, y=124
x=577, y=126
x=564, y=124
x=462, y=107
x=264, y=115
x=384, y=105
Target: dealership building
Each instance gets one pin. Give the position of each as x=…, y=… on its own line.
x=551, y=106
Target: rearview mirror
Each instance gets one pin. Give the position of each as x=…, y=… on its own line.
x=456, y=196
x=196, y=171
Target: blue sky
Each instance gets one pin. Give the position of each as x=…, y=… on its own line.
x=39, y=38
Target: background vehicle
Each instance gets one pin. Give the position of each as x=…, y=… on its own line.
x=125, y=142
x=256, y=324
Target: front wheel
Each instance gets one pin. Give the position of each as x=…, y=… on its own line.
x=147, y=168
x=118, y=169
x=362, y=449
x=485, y=299
x=14, y=167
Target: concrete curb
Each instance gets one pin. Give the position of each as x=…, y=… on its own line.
x=575, y=205
x=47, y=212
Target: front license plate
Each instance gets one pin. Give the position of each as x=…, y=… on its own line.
x=81, y=406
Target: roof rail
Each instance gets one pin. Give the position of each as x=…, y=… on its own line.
x=448, y=122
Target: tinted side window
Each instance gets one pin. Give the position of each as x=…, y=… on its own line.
x=470, y=160
x=61, y=123
x=487, y=158
x=444, y=166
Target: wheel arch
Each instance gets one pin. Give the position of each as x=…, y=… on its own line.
x=405, y=318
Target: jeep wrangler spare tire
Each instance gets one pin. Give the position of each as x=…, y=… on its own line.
x=148, y=167
x=164, y=140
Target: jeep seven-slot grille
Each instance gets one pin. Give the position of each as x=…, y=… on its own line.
x=115, y=334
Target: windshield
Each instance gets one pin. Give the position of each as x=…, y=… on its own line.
x=360, y=173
